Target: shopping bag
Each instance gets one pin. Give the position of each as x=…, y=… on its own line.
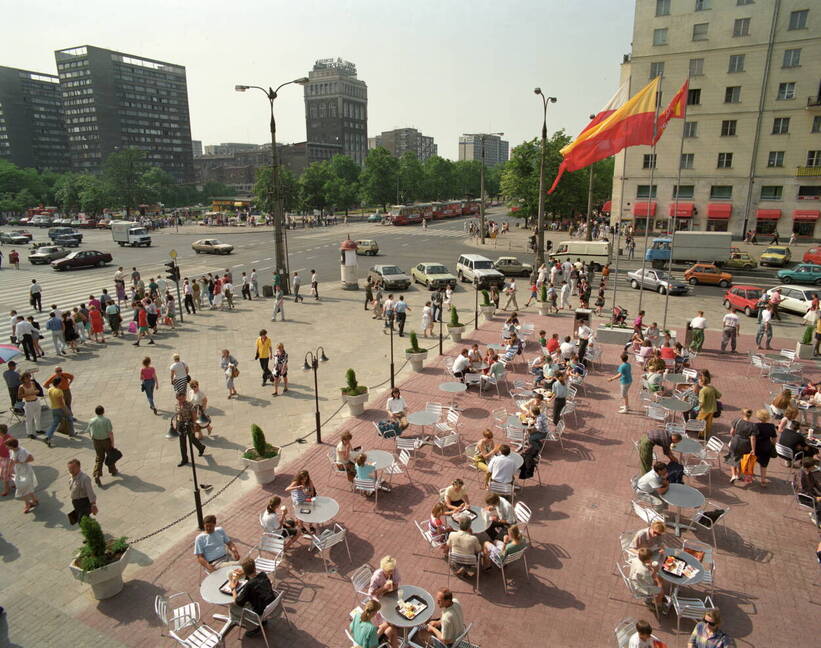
x=748, y=462
x=113, y=456
x=132, y=327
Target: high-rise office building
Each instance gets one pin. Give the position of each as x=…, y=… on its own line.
x=401, y=140
x=196, y=147
x=496, y=149
x=750, y=157
x=115, y=101
x=229, y=148
x=32, y=127
x=336, y=111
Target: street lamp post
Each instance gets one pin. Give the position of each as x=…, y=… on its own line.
x=476, y=303
x=589, y=233
x=540, y=216
x=275, y=195
x=197, y=498
x=482, y=137
x=393, y=376
x=312, y=360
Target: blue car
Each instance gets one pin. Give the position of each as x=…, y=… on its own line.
x=807, y=274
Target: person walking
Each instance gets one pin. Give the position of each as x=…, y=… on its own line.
x=29, y=394
x=762, y=441
x=368, y=293
x=427, y=320
x=564, y=296
x=625, y=377
x=66, y=380
x=184, y=422
x=149, y=382
x=295, y=284
x=697, y=325
x=36, y=295
x=731, y=329
x=179, y=374
x=279, y=304
x=81, y=493
x=228, y=364
x=188, y=297
x=263, y=354
x=254, y=284
x=70, y=332
x=708, y=404
x=55, y=326
x=5, y=460
x=115, y=320
x=196, y=294
x=143, y=328
x=314, y=285
x=436, y=300
x=24, y=332
x=387, y=311
x=510, y=291
x=765, y=326
x=245, y=287
x=25, y=481
x=740, y=444
x=60, y=414
x=102, y=435
x=280, y=369
x=400, y=310
x=14, y=259
x=96, y=319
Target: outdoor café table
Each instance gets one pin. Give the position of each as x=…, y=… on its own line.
x=423, y=418
x=690, y=559
x=682, y=496
x=675, y=378
x=379, y=459
x=210, y=593
x=479, y=524
x=391, y=615
x=675, y=405
x=514, y=421
x=497, y=347
x=322, y=510
x=785, y=377
x=688, y=446
x=453, y=388
x=519, y=459
x=776, y=356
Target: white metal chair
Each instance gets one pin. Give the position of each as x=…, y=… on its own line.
x=700, y=520
x=384, y=644
x=625, y=540
x=624, y=631
x=361, y=581
x=515, y=434
x=523, y=517
x=367, y=486
x=695, y=425
x=493, y=381
x=400, y=466
x=700, y=469
x=424, y=531
x=803, y=501
x=636, y=594
x=713, y=450
x=259, y=620
x=656, y=413
x=690, y=608
x=556, y=434
x=569, y=408
x=645, y=513
x=505, y=490
x=335, y=467
x=571, y=393
x=502, y=562
x=462, y=641
x=201, y=636
x=707, y=561
x=690, y=374
x=676, y=428
x=786, y=453
x=761, y=364
x=434, y=408
x=451, y=422
x=179, y=617
x=499, y=418
x=270, y=552
x=446, y=441
x=465, y=560
x=328, y=539
x=407, y=445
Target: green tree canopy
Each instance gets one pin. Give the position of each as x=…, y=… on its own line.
x=342, y=185
x=262, y=189
x=312, y=185
x=379, y=178
x=411, y=177
x=123, y=172
x=439, y=178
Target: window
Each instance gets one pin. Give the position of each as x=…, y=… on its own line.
x=732, y=94
x=781, y=125
x=814, y=158
x=662, y=7
x=700, y=31
x=728, y=127
x=721, y=192
x=810, y=192
x=694, y=97
x=649, y=161
x=725, y=161
x=816, y=124
x=736, y=63
x=690, y=128
x=683, y=191
x=656, y=70
x=786, y=90
x=792, y=58
x=771, y=192
x=660, y=36
x=703, y=5
x=741, y=27
x=687, y=160
x=741, y=3
x=775, y=159
x=696, y=67
x=643, y=191
x=798, y=19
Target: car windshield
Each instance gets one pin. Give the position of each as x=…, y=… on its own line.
x=753, y=293
x=664, y=276
x=773, y=251
x=482, y=265
x=47, y=250
x=437, y=269
x=389, y=270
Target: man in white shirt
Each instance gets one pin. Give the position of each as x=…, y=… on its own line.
x=584, y=333
x=567, y=348
x=387, y=313
x=397, y=410
x=23, y=331
x=698, y=324
x=765, y=327
x=461, y=365
x=564, y=297
x=36, y=295
x=730, y=327
x=651, y=485
x=254, y=284
x=566, y=268
x=502, y=467
x=511, y=296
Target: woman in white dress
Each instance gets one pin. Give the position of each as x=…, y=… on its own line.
x=446, y=303
x=427, y=320
x=25, y=481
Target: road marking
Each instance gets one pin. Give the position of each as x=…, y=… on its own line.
x=310, y=257
x=255, y=261
x=404, y=245
x=239, y=265
x=268, y=258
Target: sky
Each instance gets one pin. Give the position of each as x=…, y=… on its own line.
x=445, y=67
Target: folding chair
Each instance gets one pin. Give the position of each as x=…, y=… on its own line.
x=424, y=531
x=702, y=521
x=259, y=620
x=523, y=517
x=274, y=546
x=367, y=486
x=401, y=465
x=179, y=617
x=624, y=631
x=465, y=560
x=569, y=408
x=361, y=582
x=327, y=539
x=502, y=562
x=505, y=490
x=335, y=467
x=690, y=608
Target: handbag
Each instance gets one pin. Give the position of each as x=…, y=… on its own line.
x=719, y=409
x=748, y=462
x=112, y=456
x=234, y=372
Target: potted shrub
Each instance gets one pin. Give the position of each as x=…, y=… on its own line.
x=454, y=327
x=415, y=354
x=354, y=394
x=263, y=458
x=803, y=349
x=487, y=307
x=543, y=305
x=100, y=561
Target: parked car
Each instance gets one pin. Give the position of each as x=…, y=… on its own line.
x=475, y=266
x=803, y=273
x=813, y=255
x=376, y=217
x=740, y=260
x=66, y=240
x=82, y=259
x=391, y=277
x=367, y=246
x=40, y=221
x=433, y=275
x=104, y=223
x=796, y=299
x=743, y=298
x=14, y=238
x=775, y=255
x=211, y=246
x=511, y=266
x=707, y=273
x=658, y=280
x=65, y=233
x=46, y=254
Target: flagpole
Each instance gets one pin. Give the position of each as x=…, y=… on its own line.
x=675, y=211
x=621, y=207
x=657, y=100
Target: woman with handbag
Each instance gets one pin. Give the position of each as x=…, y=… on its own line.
x=199, y=400
x=280, y=369
x=228, y=364
x=149, y=382
x=763, y=440
x=740, y=444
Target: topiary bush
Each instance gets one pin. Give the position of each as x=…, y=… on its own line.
x=262, y=449
x=96, y=551
x=353, y=388
x=414, y=344
x=454, y=317
x=543, y=293
x=486, y=298
x=807, y=337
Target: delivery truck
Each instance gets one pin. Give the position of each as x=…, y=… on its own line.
x=130, y=233
x=690, y=247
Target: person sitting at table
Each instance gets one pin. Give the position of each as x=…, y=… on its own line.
x=301, y=489
x=789, y=430
x=657, y=437
x=344, y=452
x=806, y=483
x=437, y=526
x=528, y=405
x=275, y=520
x=464, y=542
x=461, y=365
x=512, y=320
x=645, y=579
x=366, y=470
x=652, y=333
x=474, y=355
x=451, y=623
x=539, y=431
x=396, y=408
x=500, y=513
x=667, y=352
x=567, y=348
x=553, y=344
x=213, y=545
x=502, y=467
x=485, y=449
x=645, y=350
x=255, y=594
x=542, y=338
x=490, y=357
x=536, y=367
x=574, y=366
x=366, y=629
x=385, y=579
x=651, y=485
x=780, y=404
x=455, y=497
x=644, y=637
x=634, y=345
x=494, y=372
x=652, y=381
x=513, y=348
x=650, y=538
x=656, y=363
x=501, y=549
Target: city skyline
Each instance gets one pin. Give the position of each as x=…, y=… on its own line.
x=392, y=57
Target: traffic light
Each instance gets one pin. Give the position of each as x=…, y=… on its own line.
x=172, y=271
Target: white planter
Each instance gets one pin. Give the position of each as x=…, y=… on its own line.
x=543, y=308
x=417, y=360
x=488, y=312
x=106, y=581
x=356, y=404
x=609, y=335
x=456, y=332
x=264, y=469
x=803, y=351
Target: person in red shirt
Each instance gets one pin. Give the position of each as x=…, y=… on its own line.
x=14, y=259
x=553, y=343
x=142, y=325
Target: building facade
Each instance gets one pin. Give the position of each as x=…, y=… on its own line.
x=401, y=140
x=749, y=150
x=114, y=101
x=196, y=148
x=229, y=148
x=32, y=125
x=336, y=111
x=496, y=149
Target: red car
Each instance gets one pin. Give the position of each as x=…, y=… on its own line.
x=743, y=298
x=813, y=255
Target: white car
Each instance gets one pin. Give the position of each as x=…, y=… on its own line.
x=795, y=299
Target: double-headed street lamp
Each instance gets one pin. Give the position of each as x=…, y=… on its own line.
x=540, y=217
x=312, y=360
x=275, y=195
x=482, y=137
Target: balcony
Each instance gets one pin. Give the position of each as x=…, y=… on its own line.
x=814, y=102
x=808, y=172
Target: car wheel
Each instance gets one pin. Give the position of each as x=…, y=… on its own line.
x=787, y=279
x=634, y=284
x=749, y=266
x=196, y=251
x=461, y=277
x=748, y=311
x=818, y=282
x=661, y=290
x=723, y=283
x=693, y=281
x=428, y=285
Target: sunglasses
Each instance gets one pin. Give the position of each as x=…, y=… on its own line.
x=710, y=623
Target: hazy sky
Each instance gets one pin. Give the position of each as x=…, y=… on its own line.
x=444, y=67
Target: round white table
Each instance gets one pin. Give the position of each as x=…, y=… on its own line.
x=479, y=524
x=422, y=417
x=210, y=593
x=675, y=405
x=519, y=459
x=690, y=559
x=323, y=509
x=675, y=378
x=497, y=347
x=688, y=446
x=514, y=421
x=379, y=459
x=682, y=496
x=389, y=613
x=453, y=388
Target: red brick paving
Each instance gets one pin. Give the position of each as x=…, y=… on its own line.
x=766, y=577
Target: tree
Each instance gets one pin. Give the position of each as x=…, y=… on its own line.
x=411, y=177
x=67, y=192
x=93, y=194
x=123, y=171
x=312, y=193
x=158, y=186
x=342, y=185
x=262, y=189
x=520, y=179
x=467, y=175
x=438, y=178
x=379, y=178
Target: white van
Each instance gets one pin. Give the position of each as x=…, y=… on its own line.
x=593, y=252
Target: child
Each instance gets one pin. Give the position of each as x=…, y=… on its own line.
x=653, y=333
x=552, y=296
x=600, y=301
x=644, y=637
x=533, y=289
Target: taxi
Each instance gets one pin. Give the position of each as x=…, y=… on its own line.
x=775, y=255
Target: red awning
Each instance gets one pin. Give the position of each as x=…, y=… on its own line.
x=806, y=214
x=768, y=214
x=644, y=209
x=682, y=210
x=717, y=211
x=606, y=207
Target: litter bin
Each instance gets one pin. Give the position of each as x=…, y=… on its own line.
x=583, y=316
x=267, y=290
